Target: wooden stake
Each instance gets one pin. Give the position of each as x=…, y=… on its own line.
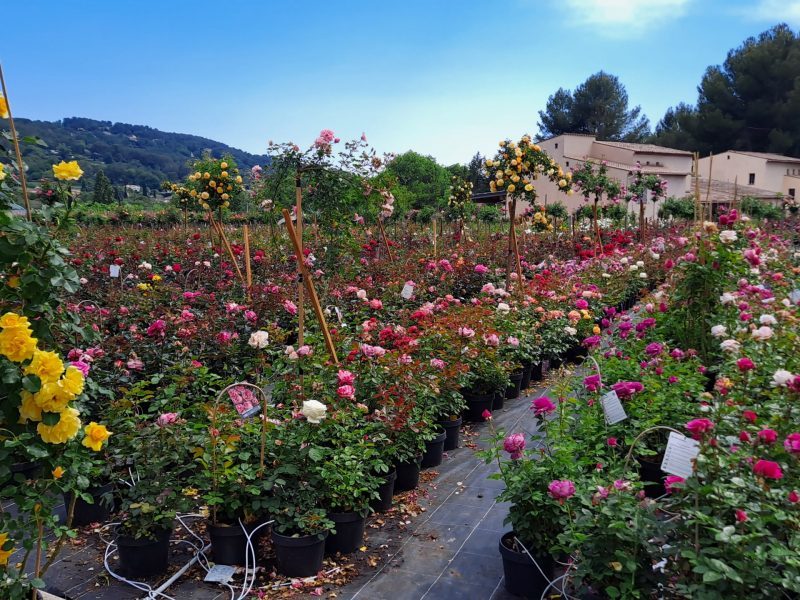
x=385, y=240
x=248, y=270
x=434, y=239
x=697, y=204
x=227, y=246
x=20, y=164
x=309, y=285
x=708, y=190
x=301, y=312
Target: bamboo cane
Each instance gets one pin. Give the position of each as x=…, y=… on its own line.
x=20, y=164
x=247, y=267
x=301, y=312
x=309, y=285
x=227, y=246
x=385, y=240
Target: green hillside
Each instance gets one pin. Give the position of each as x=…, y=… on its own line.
x=129, y=154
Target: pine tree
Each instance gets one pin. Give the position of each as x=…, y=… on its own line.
x=103, y=192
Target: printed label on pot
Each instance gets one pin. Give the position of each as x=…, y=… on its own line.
x=678, y=456
x=220, y=574
x=408, y=291
x=612, y=408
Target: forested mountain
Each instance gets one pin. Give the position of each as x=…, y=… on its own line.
x=128, y=154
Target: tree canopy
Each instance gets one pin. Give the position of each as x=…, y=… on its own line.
x=750, y=102
x=598, y=106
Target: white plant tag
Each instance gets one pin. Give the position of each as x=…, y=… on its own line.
x=679, y=454
x=795, y=296
x=612, y=408
x=220, y=574
x=408, y=291
x=113, y=271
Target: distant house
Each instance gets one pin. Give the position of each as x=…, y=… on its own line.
x=136, y=189
x=571, y=150
x=754, y=173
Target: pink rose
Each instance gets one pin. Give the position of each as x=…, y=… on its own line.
x=670, y=482
x=81, y=366
x=542, y=406
x=699, y=426
x=167, y=419
x=561, y=490
x=768, y=436
x=348, y=392
x=514, y=444
x=768, y=469
x=345, y=377
x=792, y=443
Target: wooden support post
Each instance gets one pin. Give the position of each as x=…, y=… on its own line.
x=20, y=165
x=513, y=249
x=247, y=267
x=697, y=205
x=227, y=246
x=385, y=240
x=309, y=285
x=301, y=312
x=708, y=190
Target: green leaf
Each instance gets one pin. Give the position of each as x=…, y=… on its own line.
x=51, y=418
x=32, y=383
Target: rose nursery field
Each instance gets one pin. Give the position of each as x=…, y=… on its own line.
x=271, y=398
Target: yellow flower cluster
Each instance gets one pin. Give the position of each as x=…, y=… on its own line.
x=5, y=553
x=58, y=386
x=2, y=172
x=518, y=164
x=3, y=107
x=16, y=338
x=215, y=184
x=540, y=220
x=67, y=171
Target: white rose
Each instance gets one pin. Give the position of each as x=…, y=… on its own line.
x=642, y=275
x=728, y=236
x=146, y=266
x=624, y=260
x=767, y=320
x=719, y=331
x=639, y=263
x=503, y=307
x=762, y=333
x=730, y=345
x=361, y=294
x=570, y=330
x=633, y=268
x=314, y=411
x=655, y=255
x=781, y=377
x=258, y=339
x=727, y=298
x=607, y=275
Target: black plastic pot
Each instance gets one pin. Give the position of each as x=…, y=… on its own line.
x=515, y=386
x=229, y=542
x=434, y=450
x=452, y=427
x=299, y=556
x=385, y=491
x=555, y=362
x=97, y=512
x=537, y=372
x=407, y=475
x=527, y=368
x=652, y=476
x=522, y=577
x=27, y=470
x=349, y=534
x=476, y=404
x=499, y=400
x=144, y=557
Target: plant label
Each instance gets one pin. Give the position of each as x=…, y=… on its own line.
x=678, y=456
x=114, y=270
x=244, y=401
x=795, y=296
x=408, y=291
x=220, y=574
x=612, y=408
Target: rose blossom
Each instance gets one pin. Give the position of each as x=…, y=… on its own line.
x=699, y=426
x=437, y=363
x=768, y=469
x=762, y=333
x=167, y=419
x=258, y=339
x=768, y=436
x=561, y=490
x=313, y=410
x=514, y=444
x=745, y=364
x=719, y=331
x=792, y=443
x=345, y=377
x=542, y=405
x=347, y=392
x=670, y=482
x=782, y=377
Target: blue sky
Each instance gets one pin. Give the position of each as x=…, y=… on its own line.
x=442, y=77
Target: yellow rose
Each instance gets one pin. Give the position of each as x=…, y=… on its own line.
x=2, y=172
x=63, y=431
x=238, y=179
x=511, y=187
x=29, y=410
x=206, y=175
x=562, y=183
x=52, y=398
x=5, y=552
x=225, y=196
x=14, y=320
x=212, y=184
x=156, y=278
x=489, y=163
x=193, y=193
x=13, y=282
x=3, y=112
x=205, y=206
x=95, y=435
x=596, y=330
x=204, y=195
x=47, y=366
x=16, y=344
x=224, y=174
x=220, y=190
x=500, y=182
x=197, y=175
x=67, y=171
x=226, y=205
x=529, y=187
x=223, y=165
x=58, y=472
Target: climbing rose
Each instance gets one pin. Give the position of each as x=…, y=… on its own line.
x=514, y=444
x=561, y=489
x=768, y=469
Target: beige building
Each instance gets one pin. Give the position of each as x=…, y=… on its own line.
x=570, y=150
x=754, y=172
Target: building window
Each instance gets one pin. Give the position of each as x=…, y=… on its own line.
x=729, y=156
x=556, y=144
x=751, y=179
x=791, y=192
x=567, y=163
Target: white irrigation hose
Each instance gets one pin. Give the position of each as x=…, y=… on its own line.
x=250, y=553
x=550, y=584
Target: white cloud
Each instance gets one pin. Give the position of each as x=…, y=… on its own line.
x=774, y=11
x=625, y=18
